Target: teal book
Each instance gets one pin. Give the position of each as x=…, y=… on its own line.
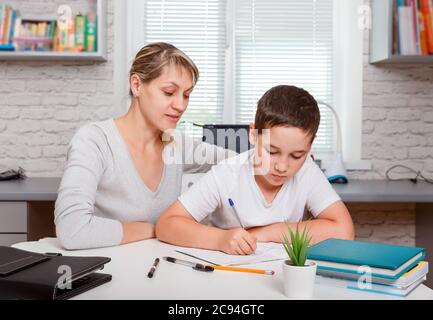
x=377, y=259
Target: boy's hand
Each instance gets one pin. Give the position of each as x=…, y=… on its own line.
x=238, y=241
x=259, y=233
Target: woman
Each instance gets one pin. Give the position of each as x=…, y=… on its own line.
x=116, y=184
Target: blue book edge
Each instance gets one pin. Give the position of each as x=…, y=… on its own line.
x=7, y=47
x=376, y=274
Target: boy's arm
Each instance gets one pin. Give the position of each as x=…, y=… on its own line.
x=177, y=226
x=333, y=222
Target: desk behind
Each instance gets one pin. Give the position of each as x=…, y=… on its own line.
x=130, y=264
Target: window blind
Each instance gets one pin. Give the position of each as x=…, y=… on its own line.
x=276, y=42
x=197, y=27
x=285, y=42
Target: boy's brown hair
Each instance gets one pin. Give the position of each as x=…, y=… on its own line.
x=288, y=106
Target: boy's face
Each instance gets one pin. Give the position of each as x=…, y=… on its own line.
x=280, y=153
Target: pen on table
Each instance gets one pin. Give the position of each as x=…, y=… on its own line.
x=232, y=204
x=153, y=268
x=195, y=266
x=208, y=268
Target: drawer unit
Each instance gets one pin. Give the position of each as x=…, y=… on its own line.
x=13, y=217
x=10, y=239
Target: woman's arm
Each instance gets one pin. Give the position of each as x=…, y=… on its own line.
x=333, y=222
x=137, y=231
x=178, y=227
x=77, y=225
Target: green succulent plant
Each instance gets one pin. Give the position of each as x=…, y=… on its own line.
x=297, y=247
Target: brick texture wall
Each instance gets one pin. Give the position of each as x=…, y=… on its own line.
x=397, y=116
x=392, y=223
x=43, y=103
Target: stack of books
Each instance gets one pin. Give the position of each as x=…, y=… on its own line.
x=368, y=266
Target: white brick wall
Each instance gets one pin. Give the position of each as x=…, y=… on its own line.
x=397, y=117
x=42, y=104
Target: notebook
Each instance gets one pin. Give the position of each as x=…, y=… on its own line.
x=383, y=260
x=264, y=252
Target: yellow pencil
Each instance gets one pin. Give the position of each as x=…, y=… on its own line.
x=259, y=271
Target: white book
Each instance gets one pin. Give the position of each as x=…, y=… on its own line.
x=369, y=287
x=407, y=279
x=406, y=29
x=343, y=267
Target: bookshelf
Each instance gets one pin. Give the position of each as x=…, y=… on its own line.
x=381, y=37
x=99, y=55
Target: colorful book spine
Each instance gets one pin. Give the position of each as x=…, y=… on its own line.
x=71, y=35
x=427, y=11
x=12, y=26
x=2, y=22
x=5, y=24
x=422, y=34
x=80, y=32
x=91, y=32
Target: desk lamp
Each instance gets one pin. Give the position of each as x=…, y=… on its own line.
x=336, y=172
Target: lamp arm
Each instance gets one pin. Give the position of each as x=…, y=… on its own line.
x=337, y=120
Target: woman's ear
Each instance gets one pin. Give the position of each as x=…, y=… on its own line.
x=253, y=134
x=135, y=83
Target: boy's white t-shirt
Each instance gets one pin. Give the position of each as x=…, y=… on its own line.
x=234, y=178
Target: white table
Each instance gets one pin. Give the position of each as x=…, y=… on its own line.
x=130, y=264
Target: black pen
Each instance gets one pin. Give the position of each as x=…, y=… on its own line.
x=195, y=266
x=153, y=268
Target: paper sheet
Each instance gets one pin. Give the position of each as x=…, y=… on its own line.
x=264, y=252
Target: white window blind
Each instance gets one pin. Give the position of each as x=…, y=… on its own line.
x=275, y=42
x=285, y=42
x=197, y=27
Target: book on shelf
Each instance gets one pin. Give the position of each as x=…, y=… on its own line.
x=412, y=27
x=91, y=32
x=17, y=33
x=80, y=32
x=8, y=17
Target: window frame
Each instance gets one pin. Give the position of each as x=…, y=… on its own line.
x=348, y=71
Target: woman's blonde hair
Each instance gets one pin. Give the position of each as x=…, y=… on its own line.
x=152, y=58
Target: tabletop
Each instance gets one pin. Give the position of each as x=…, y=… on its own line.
x=130, y=264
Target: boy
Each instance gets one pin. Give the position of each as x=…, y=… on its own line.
x=271, y=186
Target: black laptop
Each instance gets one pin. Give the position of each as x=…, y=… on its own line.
x=27, y=275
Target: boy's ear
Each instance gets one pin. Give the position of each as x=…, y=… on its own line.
x=252, y=136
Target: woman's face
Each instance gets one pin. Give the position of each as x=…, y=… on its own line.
x=163, y=100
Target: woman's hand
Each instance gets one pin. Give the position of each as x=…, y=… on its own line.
x=136, y=231
x=237, y=241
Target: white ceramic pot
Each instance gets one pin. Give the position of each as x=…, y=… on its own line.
x=299, y=281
